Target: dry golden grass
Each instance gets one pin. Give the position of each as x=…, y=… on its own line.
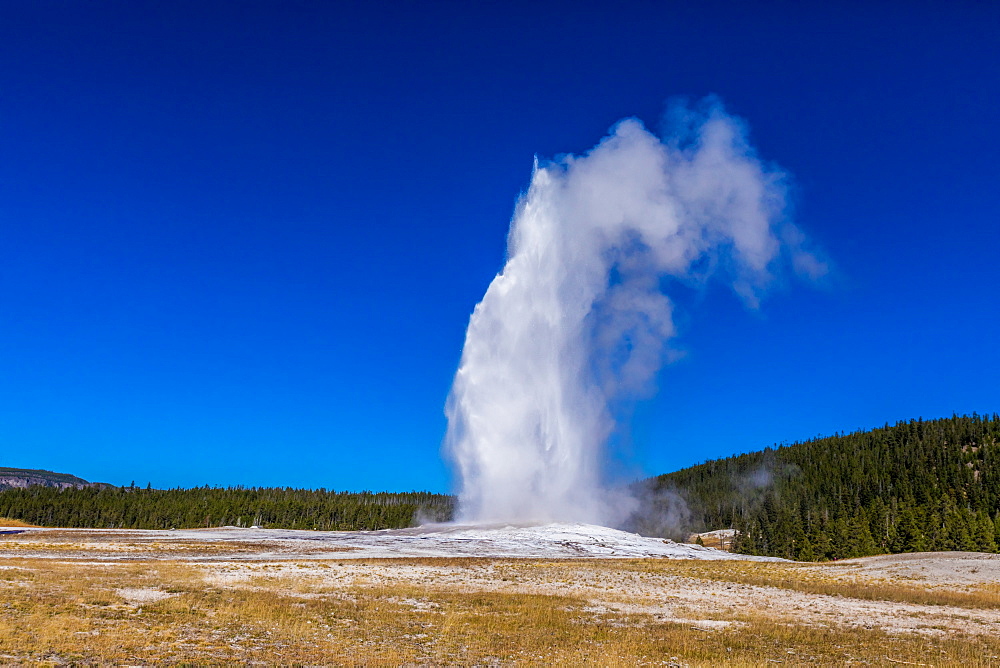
x=312, y=613
x=8, y=522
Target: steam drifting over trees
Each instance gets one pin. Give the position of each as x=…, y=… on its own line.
x=911, y=487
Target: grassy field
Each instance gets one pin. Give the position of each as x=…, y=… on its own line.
x=456, y=612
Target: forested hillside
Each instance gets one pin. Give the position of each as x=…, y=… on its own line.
x=915, y=486
x=137, y=508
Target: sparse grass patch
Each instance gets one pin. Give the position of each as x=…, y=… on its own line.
x=393, y=613
x=91, y=545
x=811, y=579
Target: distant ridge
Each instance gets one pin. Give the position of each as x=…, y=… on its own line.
x=11, y=478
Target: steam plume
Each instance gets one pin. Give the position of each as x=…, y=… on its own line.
x=576, y=324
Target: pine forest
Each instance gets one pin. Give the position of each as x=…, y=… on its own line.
x=921, y=485
x=106, y=506
x=912, y=487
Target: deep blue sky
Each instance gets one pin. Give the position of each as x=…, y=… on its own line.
x=240, y=241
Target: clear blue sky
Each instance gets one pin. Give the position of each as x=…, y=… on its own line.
x=240, y=241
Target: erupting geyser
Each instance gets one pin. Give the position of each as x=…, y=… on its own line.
x=576, y=323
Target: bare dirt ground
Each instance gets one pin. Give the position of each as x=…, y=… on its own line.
x=252, y=596
x=936, y=569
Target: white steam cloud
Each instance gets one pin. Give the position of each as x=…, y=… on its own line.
x=576, y=324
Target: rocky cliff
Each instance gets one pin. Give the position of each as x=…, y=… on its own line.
x=10, y=478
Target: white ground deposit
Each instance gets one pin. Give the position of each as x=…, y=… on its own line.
x=549, y=541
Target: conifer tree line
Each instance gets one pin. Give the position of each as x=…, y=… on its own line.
x=911, y=487
x=914, y=486
x=111, y=507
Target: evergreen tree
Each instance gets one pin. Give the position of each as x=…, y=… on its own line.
x=985, y=533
